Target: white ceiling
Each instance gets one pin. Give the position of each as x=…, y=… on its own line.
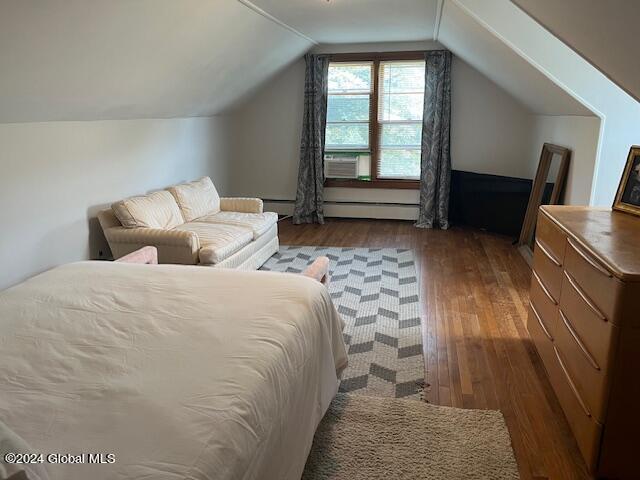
x=96, y=59
x=357, y=21
x=470, y=41
x=603, y=32
x=117, y=59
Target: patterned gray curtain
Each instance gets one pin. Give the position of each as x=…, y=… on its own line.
x=435, y=163
x=309, y=197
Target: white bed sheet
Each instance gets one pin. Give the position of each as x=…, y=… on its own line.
x=180, y=372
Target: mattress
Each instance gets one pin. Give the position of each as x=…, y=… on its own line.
x=170, y=372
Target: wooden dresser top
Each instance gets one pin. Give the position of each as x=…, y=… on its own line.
x=613, y=238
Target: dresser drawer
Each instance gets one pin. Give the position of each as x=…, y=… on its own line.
x=543, y=305
x=596, y=340
x=598, y=335
x=586, y=429
x=548, y=274
x=550, y=238
x=586, y=374
x=541, y=338
x=593, y=280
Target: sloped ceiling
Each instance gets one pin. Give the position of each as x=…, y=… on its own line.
x=96, y=59
x=341, y=21
x=473, y=43
x=118, y=59
x=603, y=32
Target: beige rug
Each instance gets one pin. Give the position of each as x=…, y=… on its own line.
x=370, y=438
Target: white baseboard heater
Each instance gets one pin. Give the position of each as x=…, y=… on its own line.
x=397, y=211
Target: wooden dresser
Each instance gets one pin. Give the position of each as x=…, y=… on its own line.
x=584, y=319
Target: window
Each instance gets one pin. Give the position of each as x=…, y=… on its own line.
x=374, y=111
x=400, y=107
x=348, y=106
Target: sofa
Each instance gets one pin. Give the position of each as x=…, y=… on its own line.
x=190, y=224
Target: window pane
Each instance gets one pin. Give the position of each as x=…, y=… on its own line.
x=401, y=107
x=401, y=91
x=399, y=163
x=349, y=77
x=347, y=135
x=402, y=77
x=348, y=108
x=401, y=135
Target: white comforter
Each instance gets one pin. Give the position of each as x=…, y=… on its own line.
x=180, y=372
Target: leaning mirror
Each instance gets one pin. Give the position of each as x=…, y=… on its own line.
x=547, y=189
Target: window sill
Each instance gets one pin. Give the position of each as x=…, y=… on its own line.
x=353, y=183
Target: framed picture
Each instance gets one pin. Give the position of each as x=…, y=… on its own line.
x=628, y=196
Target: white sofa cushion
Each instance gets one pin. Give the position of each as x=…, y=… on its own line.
x=197, y=198
x=218, y=241
x=259, y=223
x=155, y=210
x=255, y=254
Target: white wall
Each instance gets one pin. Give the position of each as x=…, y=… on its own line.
x=54, y=177
x=580, y=134
x=619, y=112
x=266, y=137
x=491, y=133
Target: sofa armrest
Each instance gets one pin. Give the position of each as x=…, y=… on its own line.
x=174, y=246
x=240, y=204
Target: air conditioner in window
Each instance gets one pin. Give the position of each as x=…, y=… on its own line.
x=341, y=167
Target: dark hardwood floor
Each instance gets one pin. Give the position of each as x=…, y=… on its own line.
x=474, y=298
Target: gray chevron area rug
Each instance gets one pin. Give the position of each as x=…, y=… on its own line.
x=376, y=292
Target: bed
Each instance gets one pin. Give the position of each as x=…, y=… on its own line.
x=178, y=372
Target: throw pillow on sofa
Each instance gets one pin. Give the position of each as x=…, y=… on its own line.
x=196, y=199
x=155, y=210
